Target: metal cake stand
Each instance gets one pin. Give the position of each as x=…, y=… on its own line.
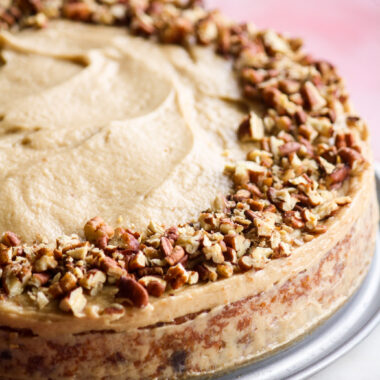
x=339, y=334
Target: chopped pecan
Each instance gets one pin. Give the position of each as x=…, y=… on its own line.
x=338, y=175
x=289, y=86
x=207, y=31
x=225, y=270
x=207, y=272
x=342, y=201
x=319, y=229
x=10, y=239
x=251, y=215
x=74, y=302
x=154, y=285
x=238, y=242
x=220, y=203
x=41, y=299
x=242, y=195
x=176, y=31
x=252, y=76
x=6, y=255
x=137, y=261
x=260, y=256
x=111, y=267
x=29, y=6
x=77, y=11
x=130, y=241
x=193, y=277
x=292, y=219
x=224, y=41
x=297, y=99
x=208, y=221
x=270, y=208
x=251, y=128
x=14, y=279
x=177, y=276
x=175, y=256
x=68, y=282
x=98, y=232
x=133, y=291
x=44, y=263
x=214, y=253
x=308, y=146
x=326, y=209
x=142, y=25
x=272, y=96
x=166, y=246
x=326, y=166
x=78, y=253
x=282, y=250
x=350, y=156
x=308, y=132
x=230, y=255
x=255, y=205
x=313, y=98
x=340, y=140
x=284, y=123
x=39, y=279
x=251, y=92
x=149, y=271
x=300, y=116
x=93, y=280
x=172, y=234
x=245, y=263
x=245, y=170
x=289, y=147
x=55, y=290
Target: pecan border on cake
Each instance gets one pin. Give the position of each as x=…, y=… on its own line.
x=303, y=150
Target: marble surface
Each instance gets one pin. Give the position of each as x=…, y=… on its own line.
x=347, y=33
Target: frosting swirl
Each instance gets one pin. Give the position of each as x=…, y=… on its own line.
x=96, y=122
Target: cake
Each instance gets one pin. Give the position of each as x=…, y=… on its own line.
x=180, y=194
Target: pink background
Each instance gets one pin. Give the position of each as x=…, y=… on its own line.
x=345, y=32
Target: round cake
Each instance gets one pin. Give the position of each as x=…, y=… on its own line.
x=180, y=194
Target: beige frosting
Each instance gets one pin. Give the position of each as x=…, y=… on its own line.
x=96, y=122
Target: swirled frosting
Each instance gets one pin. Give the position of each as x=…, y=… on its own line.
x=96, y=122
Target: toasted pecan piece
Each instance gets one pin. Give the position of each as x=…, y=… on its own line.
x=98, y=232
x=154, y=285
x=349, y=156
x=338, y=175
x=77, y=11
x=251, y=128
x=166, y=246
x=74, y=302
x=10, y=239
x=176, y=255
x=133, y=291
